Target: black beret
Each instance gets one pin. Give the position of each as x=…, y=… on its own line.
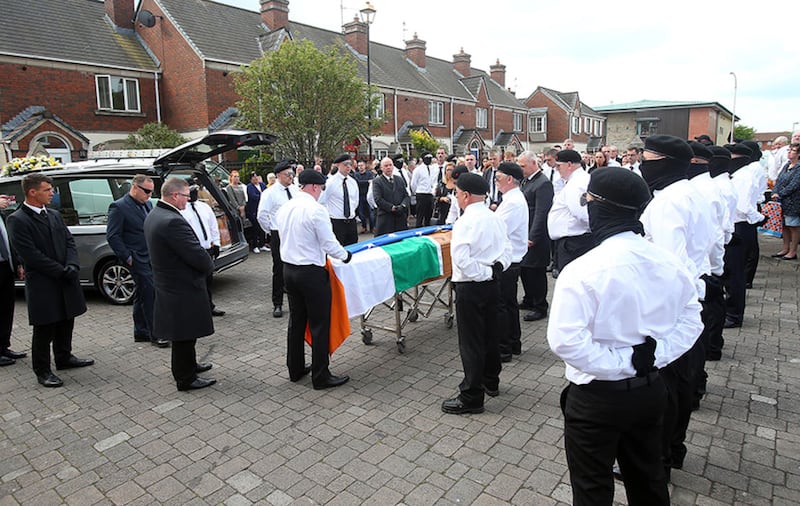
x=719, y=152
x=286, y=163
x=755, y=148
x=511, y=169
x=741, y=150
x=473, y=183
x=460, y=169
x=619, y=186
x=398, y=156
x=669, y=146
x=703, y=139
x=568, y=155
x=341, y=158
x=451, y=158
x=700, y=150
x=311, y=177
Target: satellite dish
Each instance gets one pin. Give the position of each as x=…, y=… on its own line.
x=146, y=18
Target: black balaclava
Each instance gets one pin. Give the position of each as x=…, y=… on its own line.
x=658, y=174
x=607, y=219
x=738, y=163
x=398, y=163
x=619, y=196
x=696, y=169
x=718, y=165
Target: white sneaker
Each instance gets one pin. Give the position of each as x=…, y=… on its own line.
x=265, y=248
x=256, y=250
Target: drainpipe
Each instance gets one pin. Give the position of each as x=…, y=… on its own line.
x=452, y=146
x=158, y=100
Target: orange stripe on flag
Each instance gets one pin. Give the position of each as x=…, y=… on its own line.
x=340, y=323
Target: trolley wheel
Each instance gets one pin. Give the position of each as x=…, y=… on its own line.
x=413, y=315
x=366, y=336
x=448, y=321
x=401, y=346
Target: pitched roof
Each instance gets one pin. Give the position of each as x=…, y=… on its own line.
x=31, y=117
x=657, y=104
x=78, y=33
x=567, y=101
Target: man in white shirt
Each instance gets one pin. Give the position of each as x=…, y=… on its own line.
x=204, y=223
x=471, y=163
x=624, y=309
x=423, y=185
x=550, y=170
x=341, y=199
x=479, y=251
x=758, y=172
x=276, y=196
x=634, y=160
x=568, y=221
x=306, y=238
x=513, y=210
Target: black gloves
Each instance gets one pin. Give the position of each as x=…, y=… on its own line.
x=644, y=357
x=214, y=250
x=70, y=273
x=349, y=257
x=497, y=269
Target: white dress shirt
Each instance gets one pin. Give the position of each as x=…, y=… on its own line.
x=758, y=172
x=207, y=221
x=513, y=210
x=567, y=217
x=728, y=195
x=272, y=200
x=611, y=298
x=748, y=193
x=711, y=193
x=424, y=178
x=306, y=232
x=478, y=241
x=333, y=196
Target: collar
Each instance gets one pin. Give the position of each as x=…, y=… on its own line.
x=37, y=210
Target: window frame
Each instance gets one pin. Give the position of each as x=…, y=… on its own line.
x=576, y=125
x=481, y=113
x=130, y=93
x=532, y=128
x=516, y=119
x=435, y=112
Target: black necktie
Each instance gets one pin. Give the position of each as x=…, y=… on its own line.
x=200, y=220
x=346, y=198
x=288, y=193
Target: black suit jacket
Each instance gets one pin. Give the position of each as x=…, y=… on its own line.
x=180, y=267
x=489, y=175
x=388, y=194
x=125, y=232
x=45, y=246
x=538, y=193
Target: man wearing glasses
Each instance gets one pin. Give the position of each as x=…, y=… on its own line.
x=182, y=311
x=276, y=196
x=125, y=235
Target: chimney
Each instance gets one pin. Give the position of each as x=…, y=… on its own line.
x=355, y=35
x=275, y=14
x=415, y=51
x=498, y=73
x=462, y=63
x=120, y=12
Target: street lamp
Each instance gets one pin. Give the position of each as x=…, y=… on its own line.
x=367, y=17
x=733, y=119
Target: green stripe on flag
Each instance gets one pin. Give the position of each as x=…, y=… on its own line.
x=413, y=260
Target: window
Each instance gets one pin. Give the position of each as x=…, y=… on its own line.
x=646, y=126
x=598, y=128
x=380, y=105
x=117, y=94
x=481, y=116
x=517, y=122
x=436, y=113
x=587, y=125
x=380, y=154
x=537, y=124
x=576, y=125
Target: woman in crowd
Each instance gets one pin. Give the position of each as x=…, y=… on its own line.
x=600, y=160
x=446, y=188
x=786, y=190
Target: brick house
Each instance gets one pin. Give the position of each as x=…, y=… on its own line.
x=555, y=116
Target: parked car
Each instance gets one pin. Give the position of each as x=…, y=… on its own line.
x=84, y=190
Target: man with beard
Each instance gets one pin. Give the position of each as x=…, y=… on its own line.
x=620, y=312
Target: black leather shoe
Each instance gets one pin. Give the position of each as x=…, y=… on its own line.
x=490, y=392
x=535, y=316
x=516, y=349
x=306, y=370
x=331, y=381
x=75, y=362
x=457, y=407
x=730, y=324
x=196, y=384
x=202, y=367
x=49, y=380
x=713, y=357
x=217, y=312
x=161, y=343
x=140, y=339
x=12, y=354
x=748, y=286
x=525, y=306
x=6, y=361
x=277, y=312
x=505, y=358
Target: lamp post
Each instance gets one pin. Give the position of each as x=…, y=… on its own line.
x=367, y=17
x=733, y=119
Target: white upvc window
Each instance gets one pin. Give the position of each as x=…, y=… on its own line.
x=538, y=124
x=517, y=122
x=436, y=113
x=587, y=125
x=481, y=117
x=117, y=93
x=576, y=124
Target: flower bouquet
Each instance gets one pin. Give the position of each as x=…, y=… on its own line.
x=26, y=164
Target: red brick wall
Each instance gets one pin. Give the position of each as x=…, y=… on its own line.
x=558, y=127
x=220, y=92
x=47, y=126
x=702, y=120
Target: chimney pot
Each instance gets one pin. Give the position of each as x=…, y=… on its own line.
x=275, y=14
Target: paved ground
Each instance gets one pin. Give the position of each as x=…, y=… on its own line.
x=119, y=432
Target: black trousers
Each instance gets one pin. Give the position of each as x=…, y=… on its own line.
x=751, y=254
x=476, y=316
x=6, y=304
x=309, y=290
x=568, y=249
x=210, y=283
x=424, y=209
x=257, y=237
x=681, y=379
x=143, y=301
x=277, y=269
x=59, y=334
x=734, y=276
x=508, y=312
x=346, y=231
x=534, y=285
x=601, y=425
x=713, y=316
x=184, y=361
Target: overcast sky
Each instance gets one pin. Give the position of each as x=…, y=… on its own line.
x=616, y=51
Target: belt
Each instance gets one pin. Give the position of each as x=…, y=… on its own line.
x=345, y=220
x=622, y=385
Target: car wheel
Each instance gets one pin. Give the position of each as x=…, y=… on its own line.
x=115, y=282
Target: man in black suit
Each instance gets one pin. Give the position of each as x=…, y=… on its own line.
x=538, y=191
x=392, y=200
x=9, y=269
x=52, y=285
x=495, y=196
x=125, y=235
x=180, y=268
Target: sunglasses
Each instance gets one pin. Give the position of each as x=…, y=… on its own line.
x=146, y=190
